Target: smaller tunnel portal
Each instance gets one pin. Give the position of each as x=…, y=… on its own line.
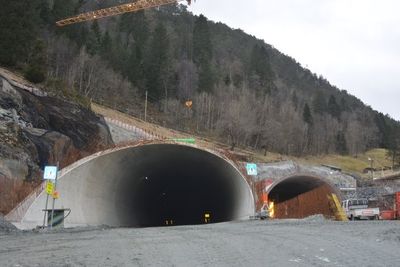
x=300, y=197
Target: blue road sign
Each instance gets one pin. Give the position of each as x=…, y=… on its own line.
x=251, y=169
x=50, y=173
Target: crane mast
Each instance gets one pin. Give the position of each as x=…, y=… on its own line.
x=116, y=10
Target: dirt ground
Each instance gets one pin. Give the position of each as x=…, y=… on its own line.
x=314, y=242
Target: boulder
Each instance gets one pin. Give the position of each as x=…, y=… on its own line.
x=6, y=226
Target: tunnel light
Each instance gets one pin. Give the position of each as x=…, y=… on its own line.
x=207, y=217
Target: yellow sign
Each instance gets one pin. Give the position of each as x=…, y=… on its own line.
x=49, y=188
x=189, y=104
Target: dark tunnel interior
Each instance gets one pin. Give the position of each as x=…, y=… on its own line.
x=178, y=185
x=292, y=187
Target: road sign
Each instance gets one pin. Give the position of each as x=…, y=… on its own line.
x=251, y=169
x=185, y=140
x=49, y=188
x=50, y=173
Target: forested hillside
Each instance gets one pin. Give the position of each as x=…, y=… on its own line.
x=244, y=91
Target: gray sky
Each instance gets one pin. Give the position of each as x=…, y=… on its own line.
x=355, y=44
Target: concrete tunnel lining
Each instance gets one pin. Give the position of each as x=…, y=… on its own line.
x=300, y=196
x=146, y=185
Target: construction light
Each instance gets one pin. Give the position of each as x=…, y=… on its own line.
x=271, y=209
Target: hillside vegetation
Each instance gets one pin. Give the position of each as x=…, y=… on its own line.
x=244, y=91
x=381, y=161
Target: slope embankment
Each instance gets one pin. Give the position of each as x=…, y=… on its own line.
x=38, y=130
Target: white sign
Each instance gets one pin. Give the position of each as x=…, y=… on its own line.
x=50, y=173
x=251, y=169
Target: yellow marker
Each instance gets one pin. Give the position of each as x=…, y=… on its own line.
x=49, y=188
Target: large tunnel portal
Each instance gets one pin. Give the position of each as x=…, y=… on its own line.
x=301, y=196
x=152, y=185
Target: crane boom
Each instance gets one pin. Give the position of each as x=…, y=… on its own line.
x=116, y=10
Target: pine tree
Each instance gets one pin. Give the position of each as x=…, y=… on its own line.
x=307, y=117
x=341, y=144
x=260, y=66
x=19, y=22
x=63, y=9
x=136, y=26
x=319, y=103
x=93, y=43
x=106, y=46
x=333, y=107
x=295, y=100
x=156, y=70
x=202, y=54
x=36, y=69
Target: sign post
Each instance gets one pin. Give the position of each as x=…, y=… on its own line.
x=50, y=175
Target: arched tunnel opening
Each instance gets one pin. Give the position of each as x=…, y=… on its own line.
x=300, y=197
x=153, y=185
x=179, y=185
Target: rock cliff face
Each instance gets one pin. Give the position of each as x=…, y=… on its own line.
x=36, y=131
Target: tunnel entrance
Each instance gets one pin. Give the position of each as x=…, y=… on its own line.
x=150, y=185
x=178, y=185
x=300, y=197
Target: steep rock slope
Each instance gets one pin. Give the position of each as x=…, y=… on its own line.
x=36, y=131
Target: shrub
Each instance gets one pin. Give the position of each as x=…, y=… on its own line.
x=34, y=74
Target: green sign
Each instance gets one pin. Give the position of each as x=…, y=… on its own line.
x=185, y=140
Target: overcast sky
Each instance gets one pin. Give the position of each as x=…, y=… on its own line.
x=355, y=44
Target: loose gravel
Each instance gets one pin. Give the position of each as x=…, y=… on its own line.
x=310, y=242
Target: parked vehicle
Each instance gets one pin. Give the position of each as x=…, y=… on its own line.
x=358, y=209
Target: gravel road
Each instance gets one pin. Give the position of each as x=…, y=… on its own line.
x=248, y=243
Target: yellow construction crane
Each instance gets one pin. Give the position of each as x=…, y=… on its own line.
x=117, y=10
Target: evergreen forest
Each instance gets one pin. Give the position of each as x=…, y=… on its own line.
x=244, y=92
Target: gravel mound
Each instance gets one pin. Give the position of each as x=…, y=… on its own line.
x=6, y=226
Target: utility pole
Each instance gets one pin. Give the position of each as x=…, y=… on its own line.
x=145, y=109
x=372, y=167
x=54, y=200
